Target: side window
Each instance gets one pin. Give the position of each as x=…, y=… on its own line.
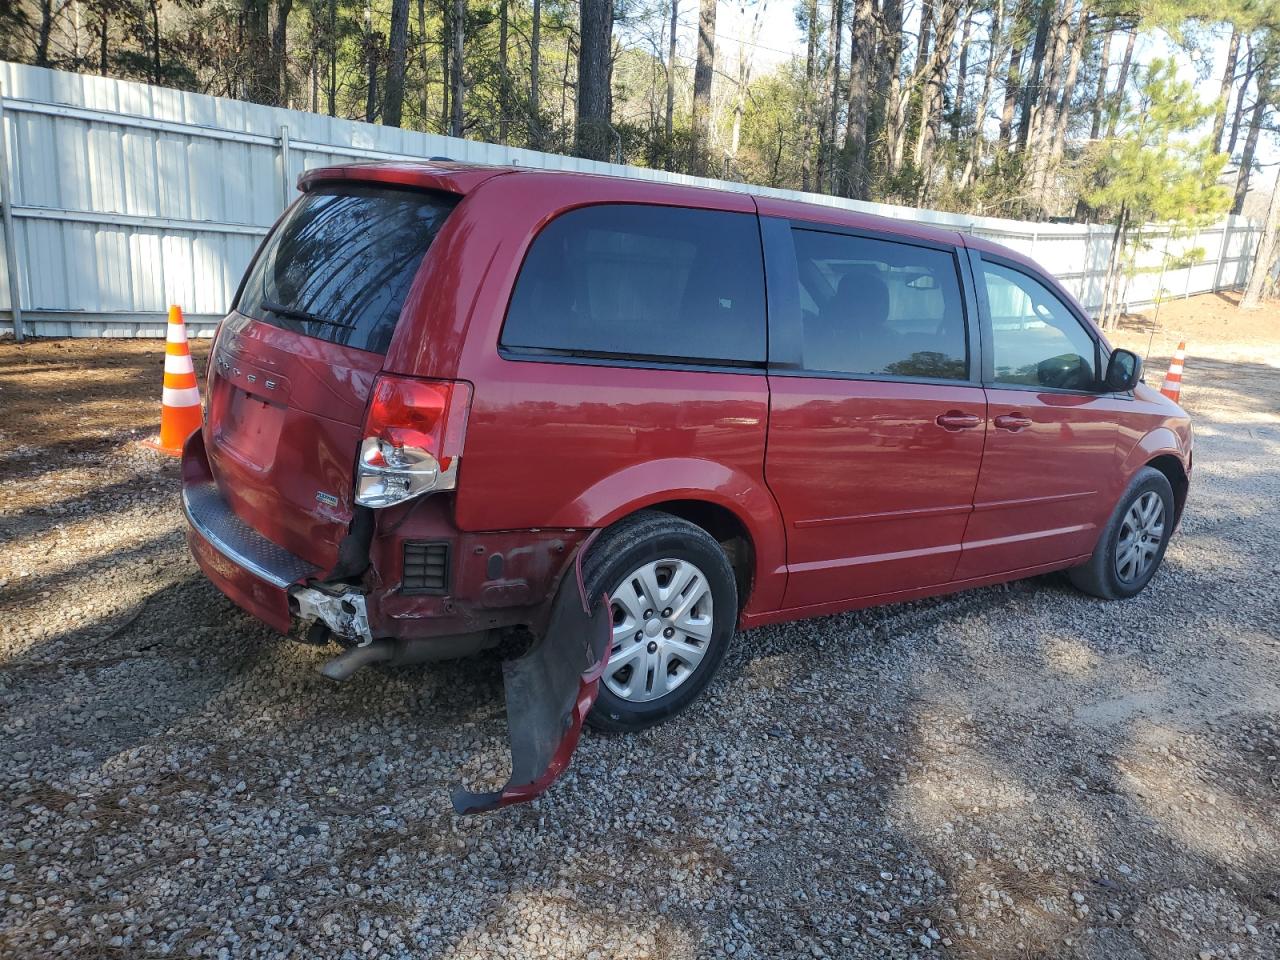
x=635, y=281
x=879, y=307
x=1036, y=340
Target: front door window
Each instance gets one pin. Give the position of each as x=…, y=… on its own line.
x=1036, y=340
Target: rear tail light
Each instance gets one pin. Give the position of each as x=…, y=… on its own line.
x=413, y=437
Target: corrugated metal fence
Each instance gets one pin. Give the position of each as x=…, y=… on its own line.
x=120, y=198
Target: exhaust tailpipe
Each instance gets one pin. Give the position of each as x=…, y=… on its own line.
x=345, y=664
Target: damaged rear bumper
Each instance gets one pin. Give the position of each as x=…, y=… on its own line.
x=549, y=692
x=253, y=572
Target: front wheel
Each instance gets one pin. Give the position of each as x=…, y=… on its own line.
x=1133, y=542
x=674, y=604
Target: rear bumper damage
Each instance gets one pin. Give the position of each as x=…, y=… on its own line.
x=253, y=572
x=549, y=689
x=549, y=692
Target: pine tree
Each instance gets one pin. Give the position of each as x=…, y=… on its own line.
x=1160, y=168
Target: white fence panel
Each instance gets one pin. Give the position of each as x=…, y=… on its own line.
x=123, y=198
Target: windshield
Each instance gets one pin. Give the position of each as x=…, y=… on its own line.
x=340, y=264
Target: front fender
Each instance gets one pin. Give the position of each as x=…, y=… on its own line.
x=1159, y=442
x=652, y=482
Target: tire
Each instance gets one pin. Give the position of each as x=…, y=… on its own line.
x=652, y=654
x=1113, y=573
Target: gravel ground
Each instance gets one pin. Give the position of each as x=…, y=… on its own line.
x=1017, y=771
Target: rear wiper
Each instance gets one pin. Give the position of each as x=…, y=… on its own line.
x=297, y=314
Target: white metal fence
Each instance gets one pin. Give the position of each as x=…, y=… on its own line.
x=120, y=198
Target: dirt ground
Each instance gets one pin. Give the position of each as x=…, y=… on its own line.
x=1018, y=771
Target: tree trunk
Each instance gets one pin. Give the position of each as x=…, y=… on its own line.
x=1110, y=283
x=154, y=6
x=371, y=58
x=280, y=50
x=926, y=33
x=1043, y=111
x=1224, y=91
x=746, y=60
x=1013, y=79
x=446, y=64
x=424, y=61
x=827, y=149
x=504, y=74
x=259, y=86
x=77, y=57
x=313, y=76
x=1251, y=141
x=895, y=103
x=994, y=50
x=1100, y=91
x=594, y=135
x=1238, y=118
x=569, y=62
x=962, y=73
x=935, y=79
x=920, y=70
x=1031, y=91
x=103, y=39
x=1056, y=121
x=333, y=58
x=397, y=48
x=535, y=61
x=704, y=66
x=671, y=70
x=861, y=49
x=810, y=76
x=1117, y=98
x=882, y=50
x=457, y=59
x=46, y=28
x=1264, y=256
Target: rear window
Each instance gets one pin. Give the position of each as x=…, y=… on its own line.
x=339, y=266
x=879, y=308
x=643, y=282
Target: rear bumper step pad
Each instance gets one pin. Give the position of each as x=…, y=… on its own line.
x=213, y=520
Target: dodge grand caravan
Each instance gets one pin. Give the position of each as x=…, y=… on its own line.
x=630, y=418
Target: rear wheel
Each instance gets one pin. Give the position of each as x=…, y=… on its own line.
x=674, y=604
x=1133, y=543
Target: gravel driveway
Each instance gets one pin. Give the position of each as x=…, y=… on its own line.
x=1016, y=771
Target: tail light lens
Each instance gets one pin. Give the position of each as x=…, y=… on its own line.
x=413, y=437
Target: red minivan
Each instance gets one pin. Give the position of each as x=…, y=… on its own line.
x=456, y=402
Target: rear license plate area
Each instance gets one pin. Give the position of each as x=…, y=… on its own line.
x=250, y=427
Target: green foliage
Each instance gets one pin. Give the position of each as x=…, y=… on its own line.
x=768, y=122
x=1158, y=168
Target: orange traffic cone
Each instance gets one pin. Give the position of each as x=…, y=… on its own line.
x=180, y=414
x=1172, y=387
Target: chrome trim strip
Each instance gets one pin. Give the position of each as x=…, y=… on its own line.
x=210, y=517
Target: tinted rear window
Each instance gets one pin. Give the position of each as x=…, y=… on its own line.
x=880, y=308
x=339, y=266
x=633, y=281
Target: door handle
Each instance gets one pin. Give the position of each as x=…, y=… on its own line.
x=955, y=420
x=1013, y=422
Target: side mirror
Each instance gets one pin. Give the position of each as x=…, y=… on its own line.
x=1124, y=370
